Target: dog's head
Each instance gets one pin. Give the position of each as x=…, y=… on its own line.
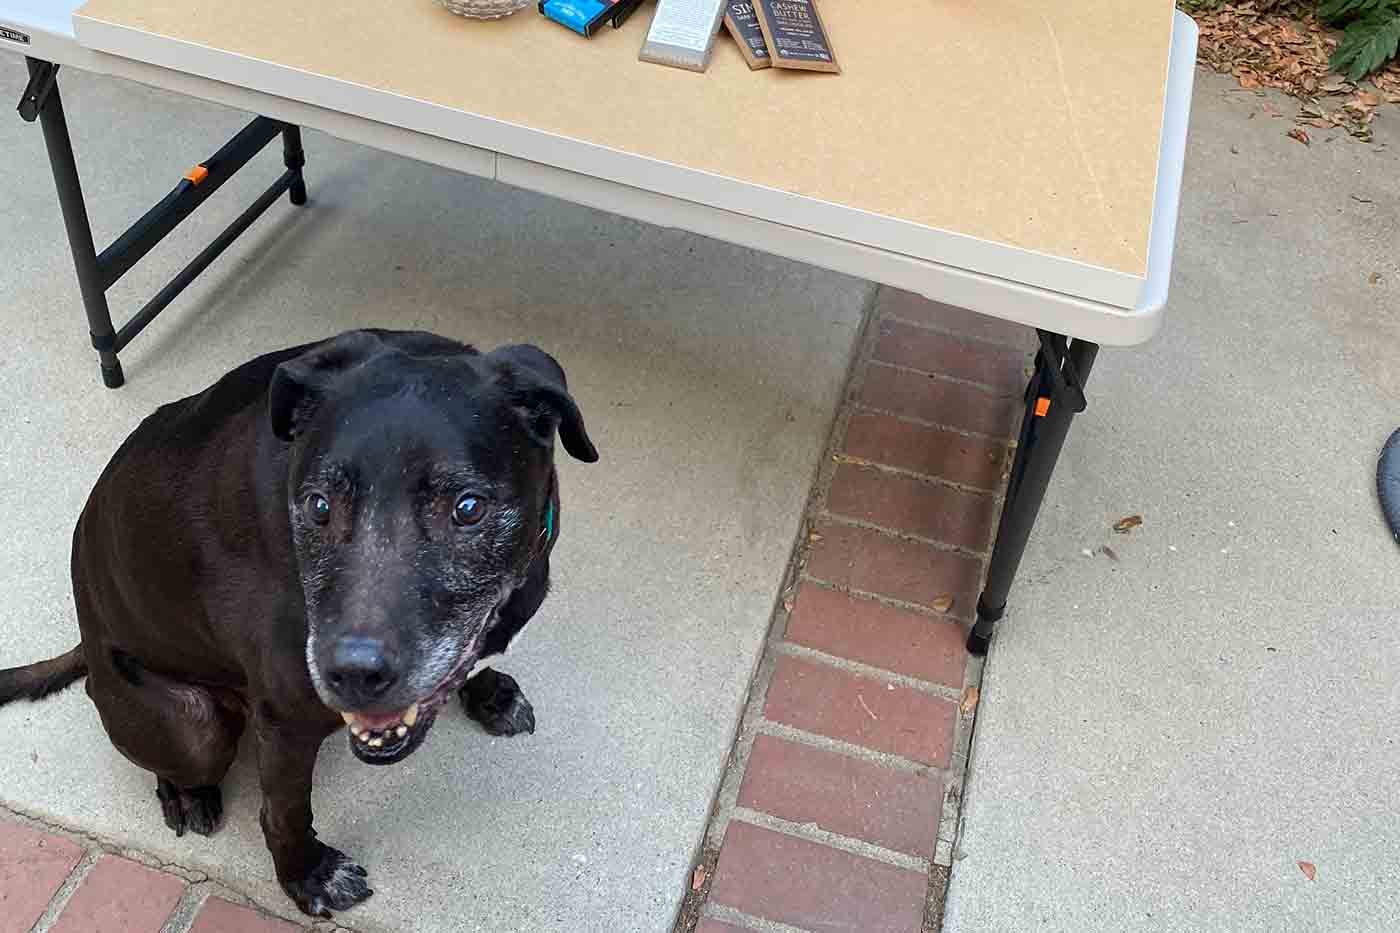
x=419, y=490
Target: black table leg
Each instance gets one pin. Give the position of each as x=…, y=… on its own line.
x=1053, y=397
x=295, y=159
x=42, y=96
x=98, y=272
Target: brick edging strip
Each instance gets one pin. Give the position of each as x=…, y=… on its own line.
x=55, y=882
x=841, y=799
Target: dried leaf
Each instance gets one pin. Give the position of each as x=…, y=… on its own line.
x=788, y=603
x=1301, y=135
x=969, y=700
x=1125, y=525
x=943, y=603
x=1309, y=869
x=1249, y=82
x=697, y=879
x=1109, y=552
x=1367, y=99
x=1374, y=278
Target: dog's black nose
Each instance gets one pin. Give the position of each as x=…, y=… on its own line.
x=360, y=671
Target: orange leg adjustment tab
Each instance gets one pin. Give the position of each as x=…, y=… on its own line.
x=1042, y=407
x=197, y=174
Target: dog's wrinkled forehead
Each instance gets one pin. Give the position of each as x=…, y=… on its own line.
x=396, y=387
x=386, y=424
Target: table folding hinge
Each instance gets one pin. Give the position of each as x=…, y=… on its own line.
x=1064, y=377
x=41, y=83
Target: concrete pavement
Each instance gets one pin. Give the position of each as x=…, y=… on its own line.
x=1163, y=737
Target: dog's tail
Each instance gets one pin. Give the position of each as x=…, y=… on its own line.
x=42, y=678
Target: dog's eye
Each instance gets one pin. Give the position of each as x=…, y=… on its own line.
x=319, y=508
x=468, y=510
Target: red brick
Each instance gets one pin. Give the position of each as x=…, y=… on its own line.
x=806, y=884
x=928, y=351
x=957, y=321
x=33, y=866
x=863, y=559
x=954, y=404
x=872, y=633
x=864, y=711
x=903, y=503
x=714, y=926
x=120, y=896
x=958, y=458
x=219, y=916
x=843, y=795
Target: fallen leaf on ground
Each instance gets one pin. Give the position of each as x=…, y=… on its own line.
x=788, y=603
x=1109, y=552
x=697, y=880
x=1125, y=525
x=1374, y=278
x=1276, y=47
x=969, y=701
x=1309, y=869
x=943, y=603
x=1301, y=135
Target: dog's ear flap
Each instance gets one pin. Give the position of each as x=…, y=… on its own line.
x=300, y=383
x=536, y=384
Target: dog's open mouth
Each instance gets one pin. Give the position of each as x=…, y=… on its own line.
x=383, y=739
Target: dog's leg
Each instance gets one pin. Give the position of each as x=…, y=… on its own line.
x=495, y=700
x=176, y=730
x=314, y=875
x=490, y=697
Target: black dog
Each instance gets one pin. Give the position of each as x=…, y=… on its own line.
x=336, y=534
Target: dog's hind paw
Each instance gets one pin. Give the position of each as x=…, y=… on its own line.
x=495, y=700
x=197, y=809
x=335, y=884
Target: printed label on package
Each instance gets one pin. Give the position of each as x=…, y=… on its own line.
x=796, y=37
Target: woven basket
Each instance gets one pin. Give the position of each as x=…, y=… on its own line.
x=483, y=9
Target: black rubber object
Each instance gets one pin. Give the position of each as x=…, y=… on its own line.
x=1388, y=483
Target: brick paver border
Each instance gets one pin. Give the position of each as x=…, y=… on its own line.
x=839, y=807
x=55, y=883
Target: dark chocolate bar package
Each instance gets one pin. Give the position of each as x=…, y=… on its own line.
x=795, y=35
x=741, y=22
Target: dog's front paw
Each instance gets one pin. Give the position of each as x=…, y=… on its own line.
x=198, y=809
x=494, y=700
x=335, y=884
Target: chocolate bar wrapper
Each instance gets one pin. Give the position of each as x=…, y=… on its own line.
x=795, y=35
x=742, y=23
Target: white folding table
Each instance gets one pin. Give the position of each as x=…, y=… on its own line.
x=1015, y=158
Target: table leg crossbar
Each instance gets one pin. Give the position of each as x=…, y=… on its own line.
x=99, y=272
x=1054, y=395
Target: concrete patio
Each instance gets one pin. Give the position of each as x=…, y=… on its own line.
x=1164, y=736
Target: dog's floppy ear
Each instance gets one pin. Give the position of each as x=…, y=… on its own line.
x=535, y=383
x=301, y=382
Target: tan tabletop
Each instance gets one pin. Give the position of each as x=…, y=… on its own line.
x=1016, y=138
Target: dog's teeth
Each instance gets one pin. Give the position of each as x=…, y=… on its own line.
x=362, y=736
x=349, y=718
x=411, y=717
x=401, y=731
x=376, y=743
